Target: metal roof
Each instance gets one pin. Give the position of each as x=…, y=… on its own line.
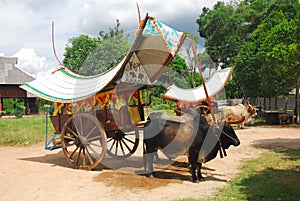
x=10, y=73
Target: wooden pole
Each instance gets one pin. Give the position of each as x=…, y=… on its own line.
x=139, y=14
x=203, y=81
x=245, y=96
x=53, y=47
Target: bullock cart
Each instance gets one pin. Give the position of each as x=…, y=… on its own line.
x=103, y=114
x=86, y=136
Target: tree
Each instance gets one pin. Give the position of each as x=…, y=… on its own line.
x=260, y=38
x=89, y=56
x=178, y=73
x=267, y=65
x=220, y=28
x=77, y=50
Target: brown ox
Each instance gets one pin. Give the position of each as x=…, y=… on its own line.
x=240, y=113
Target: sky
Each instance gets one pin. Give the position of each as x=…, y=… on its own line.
x=26, y=25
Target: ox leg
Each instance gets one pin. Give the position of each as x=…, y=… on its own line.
x=193, y=171
x=148, y=163
x=199, y=174
x=150, y=157
x=194, y=167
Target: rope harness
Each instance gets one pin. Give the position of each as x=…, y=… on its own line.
x=221, y=149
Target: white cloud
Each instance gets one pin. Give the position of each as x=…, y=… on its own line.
x=30, y=62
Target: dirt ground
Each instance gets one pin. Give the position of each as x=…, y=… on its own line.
x=32, y=173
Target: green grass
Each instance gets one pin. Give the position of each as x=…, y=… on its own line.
x=272, y=176
x=23, y=131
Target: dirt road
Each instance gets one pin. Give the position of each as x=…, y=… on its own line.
x=32, y=173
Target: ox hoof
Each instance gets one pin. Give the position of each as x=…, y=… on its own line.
x=150, y=175
x=202, y=179
x=195, y=180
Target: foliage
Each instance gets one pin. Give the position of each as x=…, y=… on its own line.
x=77, y=51
x=269, y=58
x=14, y=106
x=88, y=56
x=43, y=102
x=8, y=105
x=19, y=109
x=178, y=73
x=260, y=38
x=220, y=28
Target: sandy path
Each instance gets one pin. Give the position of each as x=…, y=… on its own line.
x=32, y=173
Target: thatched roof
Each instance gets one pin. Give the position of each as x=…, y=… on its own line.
x=11, y=74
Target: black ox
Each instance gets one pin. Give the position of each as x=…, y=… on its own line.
x=187, y=134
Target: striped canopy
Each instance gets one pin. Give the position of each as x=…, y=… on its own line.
x=214, y=86
x=153, y=49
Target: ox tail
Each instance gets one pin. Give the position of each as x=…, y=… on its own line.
x=237, y=121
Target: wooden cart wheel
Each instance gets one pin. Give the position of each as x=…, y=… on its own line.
x=84, y=141
x=121, y=145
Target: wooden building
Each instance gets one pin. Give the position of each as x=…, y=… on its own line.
x=11, y=77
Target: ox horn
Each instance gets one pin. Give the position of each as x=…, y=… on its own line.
x=236, y=122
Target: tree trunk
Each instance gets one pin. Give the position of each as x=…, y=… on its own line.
x=297, y=108
x=285, y=103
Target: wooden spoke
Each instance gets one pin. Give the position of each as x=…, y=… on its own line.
x=88, y=123
x=71, y=131
x=129, y=140
x=95, y=138
x=121, y=146
x=94, y=151
x=73, y=153
x=81, y=130
x=128, y=148
x=83, y=158
x=96, y=145
x=91, y=131
x=116, y=150
x=78, y=157
x=69, y=138
x=112, y=145
x=110, y=139
x=89, y=157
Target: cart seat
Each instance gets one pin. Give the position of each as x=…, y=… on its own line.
x=136, y=117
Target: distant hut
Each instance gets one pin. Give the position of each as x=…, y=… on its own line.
x=11, y=77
